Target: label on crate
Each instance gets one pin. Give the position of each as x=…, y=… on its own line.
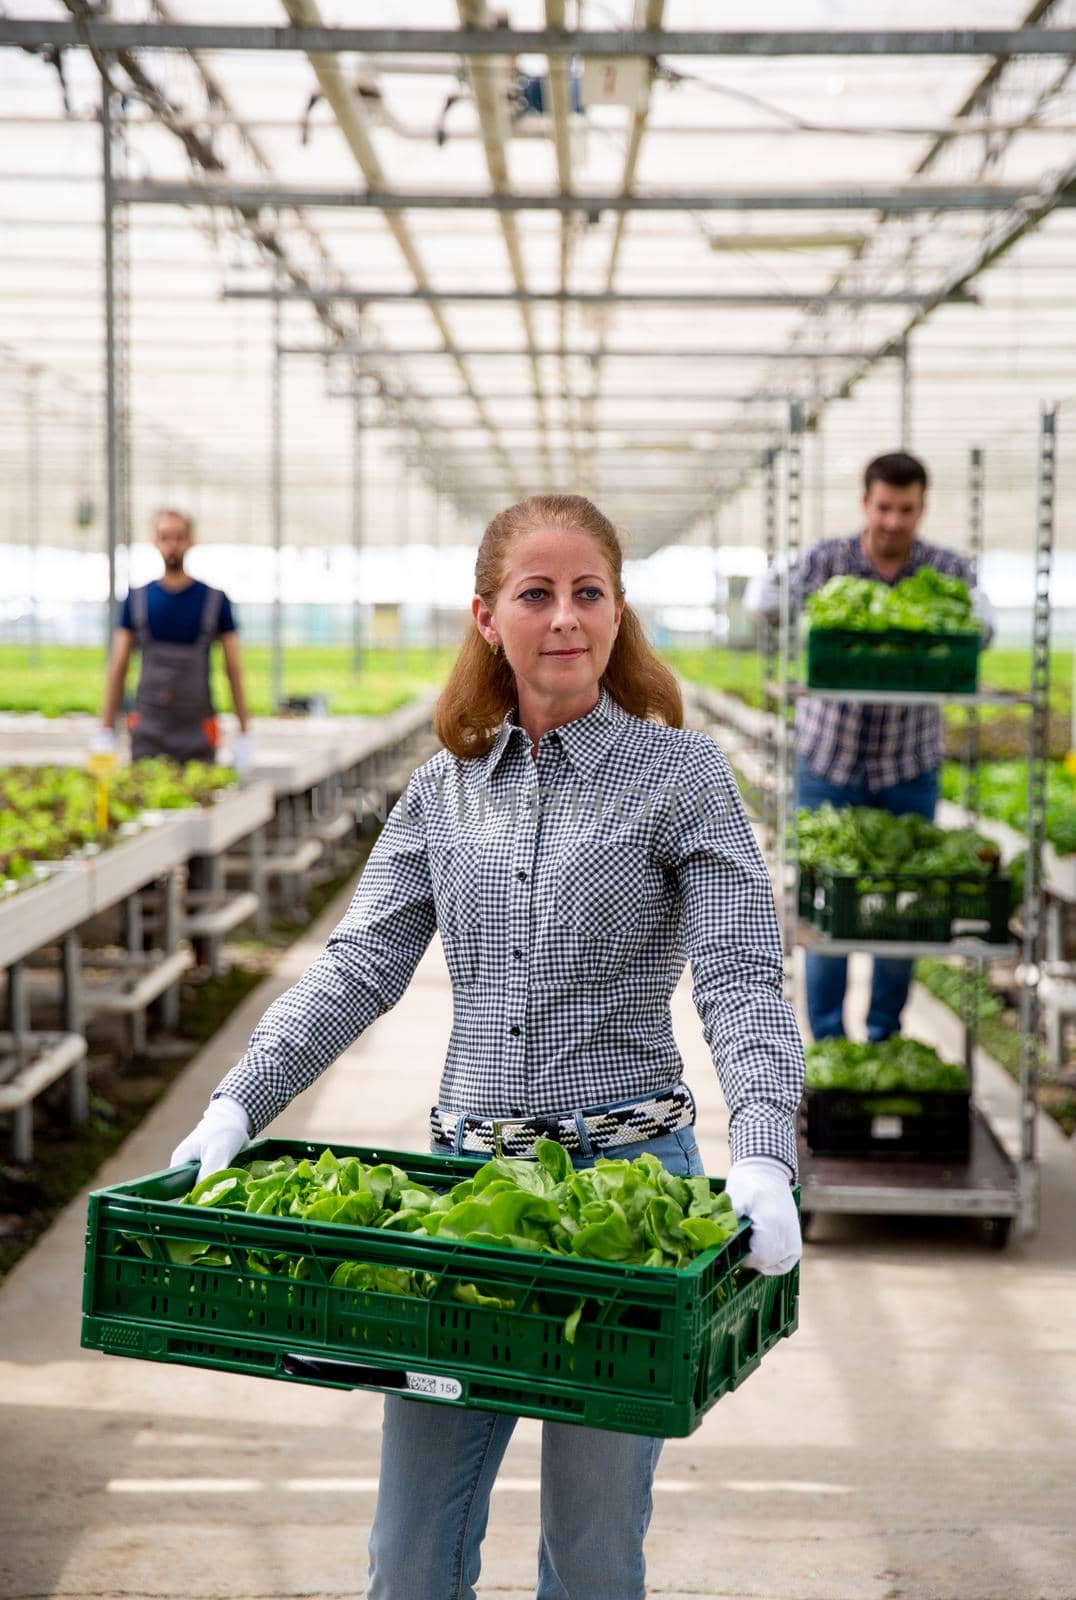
x=437, y=1388
x=887, y=1127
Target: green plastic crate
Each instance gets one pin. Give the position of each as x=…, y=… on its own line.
x=845, y=658
x=926, y=1125
x=654, y=1350
x=905, y=905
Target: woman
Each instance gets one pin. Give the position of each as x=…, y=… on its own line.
x=571, y=850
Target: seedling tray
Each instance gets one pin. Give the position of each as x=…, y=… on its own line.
x=845, y=658
x=905, y=906
x=654, y=1350
x=932, y=1125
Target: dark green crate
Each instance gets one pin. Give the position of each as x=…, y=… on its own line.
x=844, y=658
x=931, y=1125
x=655, y=1349
x=905, y=905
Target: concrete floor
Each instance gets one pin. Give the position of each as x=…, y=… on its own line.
x=916, y=1439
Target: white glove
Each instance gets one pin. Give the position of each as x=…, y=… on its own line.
x=103, y=742
x=218, y=1138
x=759, y=1188
x=242, y=748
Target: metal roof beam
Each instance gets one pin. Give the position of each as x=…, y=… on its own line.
x=617, y=45
x=498, y=352
x=688, y=397
x=351, y=117
x=489, y=85
x=865, y=197
x=665, y=130
x=527, y=297
x=560, y=103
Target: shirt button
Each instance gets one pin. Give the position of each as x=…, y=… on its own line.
x=518, y=954
x=515, y=1030
x=521, y=875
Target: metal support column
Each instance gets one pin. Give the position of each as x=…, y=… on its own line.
x=134, y=928
x=121, y=260
x=905, y=396
x=715, y=544
x=438, y=545
x=217, y=889
x=33, y=506
x=18, y=1010
x=18, y=1003
x=358, y=525
x=976, y=481
x=770, y=657
x=1036, y=816
x=404, y=506
x=78, y=1093
x=258, y=880
x=972, y=973
x=788, y=834
x=276, y=497
x=170, y=898
x=112, y=456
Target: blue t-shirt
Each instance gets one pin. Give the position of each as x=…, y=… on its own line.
x=176, y=618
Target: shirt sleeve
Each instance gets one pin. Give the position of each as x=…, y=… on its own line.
x=367, y=964
x=226, y=623
x=815, y=570
x=732, y=940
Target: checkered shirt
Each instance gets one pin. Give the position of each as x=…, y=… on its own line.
x=569, y=891
x=873, y=746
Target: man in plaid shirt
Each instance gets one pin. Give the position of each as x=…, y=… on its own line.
x=851, y=754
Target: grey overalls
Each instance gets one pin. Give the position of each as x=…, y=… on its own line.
x=173, y=712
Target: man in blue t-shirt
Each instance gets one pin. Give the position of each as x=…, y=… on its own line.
x=173, y=623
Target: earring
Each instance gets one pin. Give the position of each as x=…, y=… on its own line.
x=495, y=647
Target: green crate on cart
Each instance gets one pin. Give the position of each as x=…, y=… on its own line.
x=905, y=906
x=926, y=1125
x=899, y=659
x=653, y=1349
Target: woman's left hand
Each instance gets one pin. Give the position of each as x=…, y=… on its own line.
x=760, y=1188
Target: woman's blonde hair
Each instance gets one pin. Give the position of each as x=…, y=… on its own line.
x=481, y=687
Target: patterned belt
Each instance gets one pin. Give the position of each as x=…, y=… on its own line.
x=627, y=1123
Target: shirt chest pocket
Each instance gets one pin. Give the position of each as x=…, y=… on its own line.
x=611, y=899
x=463, y=922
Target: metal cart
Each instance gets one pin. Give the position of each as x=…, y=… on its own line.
x=989, y=1184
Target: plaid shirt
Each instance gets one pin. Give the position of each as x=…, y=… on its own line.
x=568, y=892
x=875, y=746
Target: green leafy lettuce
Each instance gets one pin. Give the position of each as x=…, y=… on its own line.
x=895, y=1065
x=633, y=1212
x=855, y=839
x=927, y=602
x=1003, y=794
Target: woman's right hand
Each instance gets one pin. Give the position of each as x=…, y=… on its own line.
x=218, y=1138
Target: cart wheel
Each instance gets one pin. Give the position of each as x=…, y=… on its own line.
x=997, y=1231
x=806, y=1218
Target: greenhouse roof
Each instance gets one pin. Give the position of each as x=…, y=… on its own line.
x=541, y=260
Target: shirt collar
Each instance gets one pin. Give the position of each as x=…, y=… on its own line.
x=915, y=560
x=584, y=741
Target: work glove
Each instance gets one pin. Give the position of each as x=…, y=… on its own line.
x=218, y=1138
x=103, y=742
x=242, y=749
x=759, y=1188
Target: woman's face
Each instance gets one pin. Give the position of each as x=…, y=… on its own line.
x=555, y=617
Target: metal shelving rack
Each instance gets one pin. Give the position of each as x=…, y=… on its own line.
x=990, y=1184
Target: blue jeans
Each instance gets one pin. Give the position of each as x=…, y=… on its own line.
x=438, y=1466
x=827, y=976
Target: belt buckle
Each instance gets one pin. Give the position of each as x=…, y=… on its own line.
x=506, y=1122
